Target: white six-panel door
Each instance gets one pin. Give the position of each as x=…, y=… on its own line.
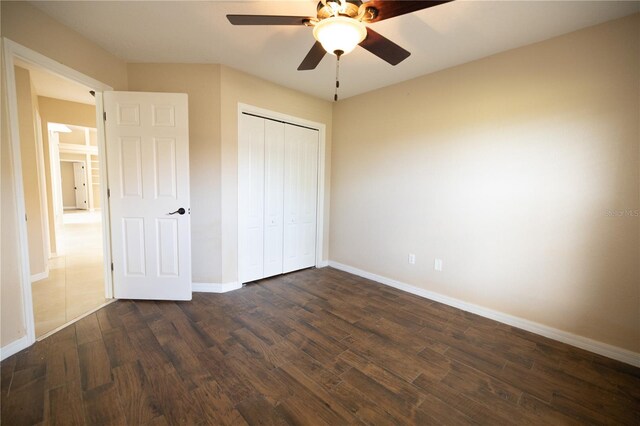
x=277, y=183
x=147, y=141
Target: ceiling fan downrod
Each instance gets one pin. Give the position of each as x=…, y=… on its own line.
x=338, y=54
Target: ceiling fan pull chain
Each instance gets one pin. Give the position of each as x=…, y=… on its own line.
x=338, y=54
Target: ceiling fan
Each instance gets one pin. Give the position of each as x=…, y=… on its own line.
x=340, y=26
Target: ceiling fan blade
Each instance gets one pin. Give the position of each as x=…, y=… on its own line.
x=313, y=58
x=390, y=8
x=384, y=48
x=267, y=20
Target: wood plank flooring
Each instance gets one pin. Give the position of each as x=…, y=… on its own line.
x=312, y=347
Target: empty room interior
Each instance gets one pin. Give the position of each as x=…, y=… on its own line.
x=335, y=212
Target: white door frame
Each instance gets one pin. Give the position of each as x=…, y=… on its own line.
x=56, y=183
x=322, y=140
x=12, y=51
x=44, y=202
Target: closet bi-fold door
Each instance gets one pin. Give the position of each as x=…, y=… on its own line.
x=251, y=198
x=273, y=196
x=300, y=197
x=277, y=197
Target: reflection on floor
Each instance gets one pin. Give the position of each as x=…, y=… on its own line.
x=76, y=282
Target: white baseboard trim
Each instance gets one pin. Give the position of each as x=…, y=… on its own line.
x=322, y=264
x=215, y=287
x=40, y=276
x=14, y=347
x=604, y=349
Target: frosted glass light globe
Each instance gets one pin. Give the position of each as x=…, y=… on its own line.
x=339, y=33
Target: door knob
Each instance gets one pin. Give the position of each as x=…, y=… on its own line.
x=180, y=211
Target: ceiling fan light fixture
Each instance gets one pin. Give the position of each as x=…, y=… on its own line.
x=339, y=34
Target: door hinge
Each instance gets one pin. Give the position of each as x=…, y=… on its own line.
x=104, y=115
x=111, y=266
x=25, y=217
x=108, y=193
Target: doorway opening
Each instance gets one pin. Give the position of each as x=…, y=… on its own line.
x=75, y=285
x=62, y=190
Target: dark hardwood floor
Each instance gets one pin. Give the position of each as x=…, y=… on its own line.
x=312, y=347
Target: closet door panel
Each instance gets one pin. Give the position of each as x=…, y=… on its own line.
x=273, y=197
x=291, y=202
x=308, y=199
x=300, y=197
x=251, y=154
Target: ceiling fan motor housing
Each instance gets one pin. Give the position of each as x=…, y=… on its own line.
x=348, y=8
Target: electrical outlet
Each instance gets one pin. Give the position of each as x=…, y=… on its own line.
x=412, y=259
x=437, y=265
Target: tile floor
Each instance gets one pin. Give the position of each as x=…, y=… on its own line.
x=76, y=281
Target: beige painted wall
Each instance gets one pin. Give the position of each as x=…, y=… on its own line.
x=27, y=25
x=75, y=137
x=31, y=185
x=12, y=325
x=202, y=84
x=505, y=168
x=238, y=87
x=65, y=112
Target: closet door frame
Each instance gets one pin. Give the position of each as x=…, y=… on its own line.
x=321, y=128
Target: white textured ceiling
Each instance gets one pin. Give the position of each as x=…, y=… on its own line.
x=52, y=86
x=438, y=37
